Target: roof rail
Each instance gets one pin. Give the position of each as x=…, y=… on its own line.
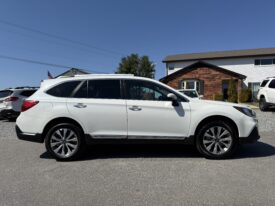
x=89, y=75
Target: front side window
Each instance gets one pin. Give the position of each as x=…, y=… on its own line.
x=272, y=84
x=104, y=89
x=143, y=90
x=64, y=89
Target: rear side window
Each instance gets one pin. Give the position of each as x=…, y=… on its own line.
x=272, y=84
x=264, y=83
x=27, y=93
x=64, y=89
x=104, y=89
x=5, y=93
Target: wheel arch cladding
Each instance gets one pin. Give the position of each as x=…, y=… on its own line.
x=217, y=118
x=58, y=121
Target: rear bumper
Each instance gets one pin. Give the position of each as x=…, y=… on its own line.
x=28, y=137
x=253, y=137
x=9, y=113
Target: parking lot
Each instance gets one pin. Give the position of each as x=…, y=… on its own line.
x=138, y=175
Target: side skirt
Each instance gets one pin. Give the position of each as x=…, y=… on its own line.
x=139, y=140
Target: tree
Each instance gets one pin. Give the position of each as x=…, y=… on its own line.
x=232, y=91
x=139, y=66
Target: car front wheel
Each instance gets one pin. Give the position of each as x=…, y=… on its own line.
x=217, y=140
x=65, y=141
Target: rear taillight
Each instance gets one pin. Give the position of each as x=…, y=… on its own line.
x=27, y=104
x=11, y=99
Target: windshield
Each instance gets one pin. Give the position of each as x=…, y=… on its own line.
x=264, y=83
x=5, y=93
x=192, y=94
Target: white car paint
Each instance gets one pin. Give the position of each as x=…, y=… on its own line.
x=103, y=118
x=267, y=92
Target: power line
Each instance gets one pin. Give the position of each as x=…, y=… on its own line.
x=41, y=63
x=59, y=37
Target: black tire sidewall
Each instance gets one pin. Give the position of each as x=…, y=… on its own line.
x=201, y=148
x=262, y=104
x=79, y=135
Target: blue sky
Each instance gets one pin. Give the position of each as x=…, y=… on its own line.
x=117, y=28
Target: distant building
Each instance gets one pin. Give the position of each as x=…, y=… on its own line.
x=72, y=72
x=206, y=71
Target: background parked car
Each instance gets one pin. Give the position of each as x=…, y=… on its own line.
x=266, y=94
x=191, y=93
x=12, y=101
x=3, y=95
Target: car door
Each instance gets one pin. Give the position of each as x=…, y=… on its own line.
x=151, y=113
x=271, y=91
x=99, y=106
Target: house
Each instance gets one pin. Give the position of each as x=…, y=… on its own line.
x=72, y=72
x=210, y=72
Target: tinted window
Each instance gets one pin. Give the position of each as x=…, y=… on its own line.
x=64, y=89
x=264, y=83
x=257, y=62
x=104, y=89
x=5, y=93
x=191, y=94
x=272, y=84
x=27, y=93
x=82, y=90
x=143, y=90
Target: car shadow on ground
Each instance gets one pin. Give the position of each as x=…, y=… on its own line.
x=256, y=150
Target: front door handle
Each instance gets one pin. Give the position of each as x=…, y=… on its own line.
x=135, y=108
x=80, y=105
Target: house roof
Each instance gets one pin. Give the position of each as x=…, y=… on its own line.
x=221, y=55
x=201, y=64
x=72, y=72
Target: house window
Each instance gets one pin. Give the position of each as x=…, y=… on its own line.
x=171, y=67
x=259, y=62
x=192, y=84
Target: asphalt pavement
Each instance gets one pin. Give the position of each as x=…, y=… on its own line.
x=138, y=174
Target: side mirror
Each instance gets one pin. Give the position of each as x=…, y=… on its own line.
x=172, y=96
x=200, y=96
x=174, y=99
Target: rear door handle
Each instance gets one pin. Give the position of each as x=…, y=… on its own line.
x=135, y=108
x=80, y=105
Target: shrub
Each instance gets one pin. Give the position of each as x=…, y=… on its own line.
x=232, y=91
x=245, y=95
x=218, y=97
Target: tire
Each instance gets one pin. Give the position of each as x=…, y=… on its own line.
x=262, y=104
x=217, y=140
x=65, y=142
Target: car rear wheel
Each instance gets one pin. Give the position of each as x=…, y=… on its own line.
x=262, y=104
x=65, y=141
x=217, y=140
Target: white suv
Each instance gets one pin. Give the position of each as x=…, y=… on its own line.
x=11, y=101
x=68, y=113
x=266, y=94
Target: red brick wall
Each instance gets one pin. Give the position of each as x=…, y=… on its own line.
x=212, y=80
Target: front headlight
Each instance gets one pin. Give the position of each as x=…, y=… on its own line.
x=246, y=111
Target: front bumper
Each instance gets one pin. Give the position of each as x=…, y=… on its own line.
x=253, y=137
x=28, y=137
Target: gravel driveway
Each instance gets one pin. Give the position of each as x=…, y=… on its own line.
x=138, y=175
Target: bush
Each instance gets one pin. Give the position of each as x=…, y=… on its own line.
x=218, y=97
x=245, y=95
x=232, y=91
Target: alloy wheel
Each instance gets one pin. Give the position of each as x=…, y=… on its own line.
x=217, y=140
x=64, y=142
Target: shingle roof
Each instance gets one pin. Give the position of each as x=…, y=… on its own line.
x=201, y=64
x=221, y=54
x=72, y=72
